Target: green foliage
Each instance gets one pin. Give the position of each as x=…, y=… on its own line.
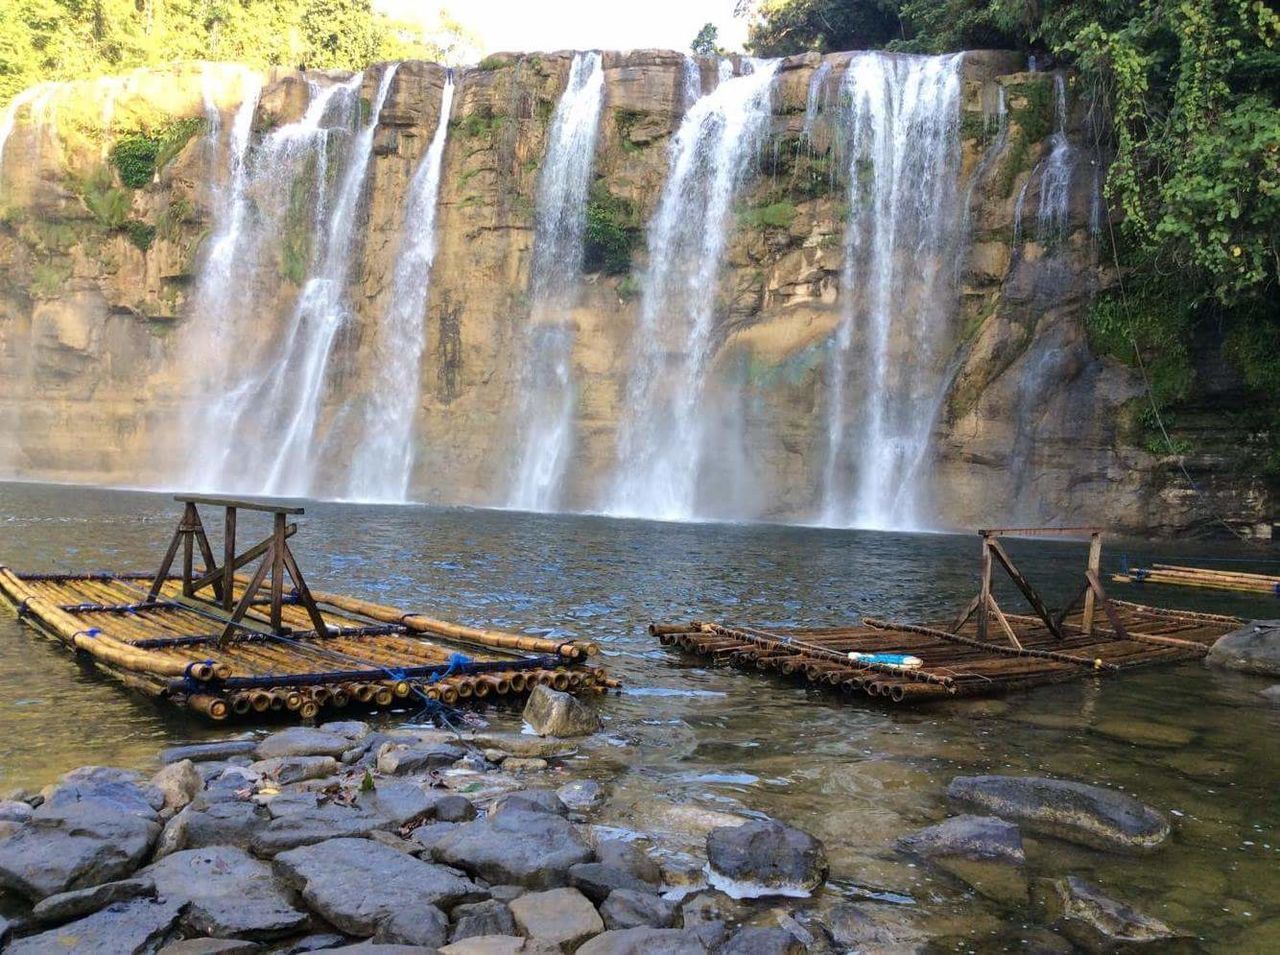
x=140, y=233
x=783, y=27
x=49, y=278
x=108, y=205
x=77, y=39
x=612, y=233
x=482, y=123
x=704, y=44
x=776, y=215
x=629, y=288
x=139, y=156
x=1150, y=322
x=169, y=223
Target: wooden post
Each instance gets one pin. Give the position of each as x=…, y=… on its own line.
x=187, y=530
x=984, y=589
x=228, y=558
x=246, y=599
x=277, y=572
x=167, y=562
x=1095, y=563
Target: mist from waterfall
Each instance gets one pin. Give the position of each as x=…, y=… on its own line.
x=544, y=439
x=901, y=117
x=277, y=188
x=382, y=465
x=661, y=432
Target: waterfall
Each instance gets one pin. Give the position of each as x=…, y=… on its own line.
x=383, y=460
x=660, y=440
x=547, y=401
x=1053, y=211
x=228, y=344
x=902, y=132
x=37, y=99
x=816, y=99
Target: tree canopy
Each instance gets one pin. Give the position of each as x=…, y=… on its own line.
x=75, y=39
x=705, y=43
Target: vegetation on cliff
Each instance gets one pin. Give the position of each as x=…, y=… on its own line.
x=1192, y=92
x=77, y=39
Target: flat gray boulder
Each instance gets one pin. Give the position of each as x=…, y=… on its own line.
x=1098, y=923
x=761, y=940
x=645, y=941
x=124, y=928
x=405, y=760
x=358, y=885
x=75, y=845
x=529, y=800
x=563, y=917
x=478, y=919
x=303, y=741
x=304, y=819
x=553, y=713
x=596, y=880
x=209, y=752
x=501, y=945
x=212, y=822
x=295, y=769
x=120, y=789
x=229, y=893
x=533, y=849
x=627, y=908
x=56, y=909
x=1254, y=648
x=1091, y=815
x=764, y=857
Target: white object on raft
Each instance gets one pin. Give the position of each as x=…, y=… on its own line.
x=904, y=660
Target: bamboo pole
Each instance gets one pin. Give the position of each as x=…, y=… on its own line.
x=570, y=649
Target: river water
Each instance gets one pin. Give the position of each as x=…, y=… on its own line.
x=1194, y=743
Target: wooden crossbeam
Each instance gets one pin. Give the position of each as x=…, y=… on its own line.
x=257, y=550
x=1024, y=586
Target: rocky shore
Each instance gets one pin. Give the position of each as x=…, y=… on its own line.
x=347, y=838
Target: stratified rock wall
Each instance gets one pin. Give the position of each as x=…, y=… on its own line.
x=96, y=281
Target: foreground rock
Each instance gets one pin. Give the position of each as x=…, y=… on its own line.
x=1098, y=923
x=303, y=741
x=645, y=941
x=228, y=893
x=516, y=845
x=74, y=846
x=1078, y=812
x=72, y=905
x=365, y=888
x=563, y=917
x=1254, y=648
x=552, y=713
x=765, y=858
x=124, y=928
x=209, y=752
x=501, y=945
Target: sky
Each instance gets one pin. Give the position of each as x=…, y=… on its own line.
x=527, y=25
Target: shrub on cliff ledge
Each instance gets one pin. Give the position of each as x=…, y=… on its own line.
x=612, y=234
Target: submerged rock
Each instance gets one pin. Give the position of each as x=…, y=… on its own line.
x=581, y=794
x=761, y=858
x=529, y=800
x=983, y=851
x=229, y=893
x=1099, y=923
x=552, y=713
x=124, y=928
x=363, y=888
x=1254, y=648
x=1091, y=815
x=563, y=917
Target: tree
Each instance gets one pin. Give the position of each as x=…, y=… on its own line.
x=704, y=44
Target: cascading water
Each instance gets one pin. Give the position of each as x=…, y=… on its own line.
x=660, y=441
x=902, y=135
x=228, y=354
x=298, y=375
x=817, y=98
x=1054, y=208
x=383, y=460
x=545, y=435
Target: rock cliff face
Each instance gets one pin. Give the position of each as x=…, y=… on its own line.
x=107, y=336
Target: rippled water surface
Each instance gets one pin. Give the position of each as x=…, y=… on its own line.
x=1195, y=743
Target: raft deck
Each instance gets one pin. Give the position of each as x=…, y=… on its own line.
x=984, y=651
x=210, y=640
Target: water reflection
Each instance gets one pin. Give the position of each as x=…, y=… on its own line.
x=1198, y=745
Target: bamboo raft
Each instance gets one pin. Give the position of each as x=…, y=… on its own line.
x=1201, y=577
x=985, y=651
x=208, y=639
